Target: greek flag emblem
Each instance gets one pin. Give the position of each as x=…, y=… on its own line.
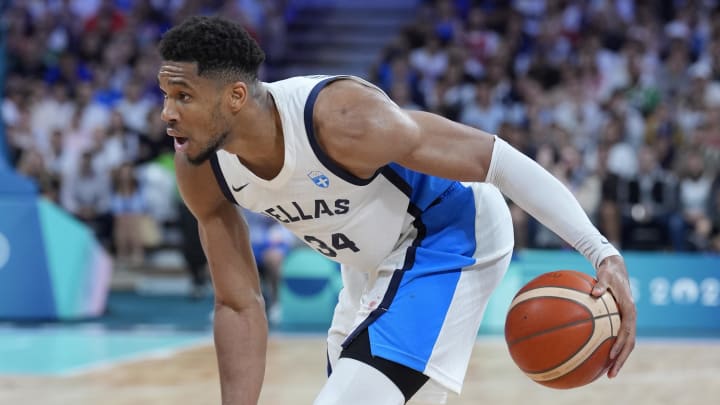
x=319, y=179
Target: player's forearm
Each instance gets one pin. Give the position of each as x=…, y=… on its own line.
x=544, y=197
x=240, y=343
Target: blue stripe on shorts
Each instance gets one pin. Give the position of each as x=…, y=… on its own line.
x=407, y=330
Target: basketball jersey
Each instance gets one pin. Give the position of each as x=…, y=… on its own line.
x=420, y=254
x=351, y=220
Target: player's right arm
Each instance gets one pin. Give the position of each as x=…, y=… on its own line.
x=240, y=326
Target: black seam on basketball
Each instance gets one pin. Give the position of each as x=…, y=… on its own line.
x=571, y=355
x=554, y=328
x=574, y=368
x=589, y=310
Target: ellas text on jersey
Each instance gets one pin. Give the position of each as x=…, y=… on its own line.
x=306, y=210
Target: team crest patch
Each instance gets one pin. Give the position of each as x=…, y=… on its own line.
x=319, y=179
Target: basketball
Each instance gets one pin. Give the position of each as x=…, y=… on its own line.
x=557, y=333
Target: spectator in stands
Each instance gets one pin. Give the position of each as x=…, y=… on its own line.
x=622, y=157
x=32, y=165
x=104, y=92
x=115, y=144
x=577, y=112
x=452, y=91
x=481, y=42
x=134, y=107
x=714, y=216
x=154, y=142
x=50, y=112
x=57, y=160
x=20, y=136
x=396, y=69
x=691, y=226
x=93, y=114
x=663, y=134
x=430, y=60
x=609, y=217
x=86, y=193
x=106, y=20
x=482, y=111
x=130, y=219
x=646, y=203
x=76, y=139
x=584, y=183
x=192, y=252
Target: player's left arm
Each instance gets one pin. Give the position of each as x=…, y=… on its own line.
x=362, y=130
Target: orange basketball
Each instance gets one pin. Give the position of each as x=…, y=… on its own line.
x=557, y=333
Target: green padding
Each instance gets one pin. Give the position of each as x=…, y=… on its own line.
x=68, y=244
x=308, y=292
x=166, y=161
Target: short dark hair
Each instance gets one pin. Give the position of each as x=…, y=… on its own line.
x=221, y=48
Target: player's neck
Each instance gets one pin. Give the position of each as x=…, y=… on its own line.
x=260, y=143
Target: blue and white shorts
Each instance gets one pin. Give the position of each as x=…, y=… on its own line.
x=423, y=304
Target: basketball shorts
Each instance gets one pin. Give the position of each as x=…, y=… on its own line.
x=422, y=306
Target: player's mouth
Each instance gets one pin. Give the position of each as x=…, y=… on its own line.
x=180, y=141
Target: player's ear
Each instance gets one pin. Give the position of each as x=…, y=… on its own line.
x=238, y=95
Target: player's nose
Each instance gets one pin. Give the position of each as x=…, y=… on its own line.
x=168, y=114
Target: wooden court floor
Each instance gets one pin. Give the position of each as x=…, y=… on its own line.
x=660, y=372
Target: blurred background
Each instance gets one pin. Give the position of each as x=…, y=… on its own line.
x=619, y=99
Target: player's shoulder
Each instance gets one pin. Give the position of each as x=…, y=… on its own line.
x=349, y=94
x=298, y=82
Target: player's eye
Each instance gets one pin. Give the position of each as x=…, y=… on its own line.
x=184, y=97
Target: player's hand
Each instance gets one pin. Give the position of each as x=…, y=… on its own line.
x=612, y=275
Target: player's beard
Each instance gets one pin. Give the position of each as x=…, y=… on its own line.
x=210, y=148
x=214, y=143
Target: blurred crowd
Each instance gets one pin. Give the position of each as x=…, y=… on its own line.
x=617, y=98
x=81, y=109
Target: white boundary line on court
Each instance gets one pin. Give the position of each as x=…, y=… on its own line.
x=152, y=354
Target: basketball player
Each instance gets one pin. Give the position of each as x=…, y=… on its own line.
x=408, y=202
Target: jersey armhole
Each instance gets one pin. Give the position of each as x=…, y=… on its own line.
x=217, y=171
x=319, y=152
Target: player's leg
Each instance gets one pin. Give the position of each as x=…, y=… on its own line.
x=346, y=312
x=356, y=383
x=361, y=378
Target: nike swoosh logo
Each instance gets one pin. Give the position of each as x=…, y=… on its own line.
x=240, y=188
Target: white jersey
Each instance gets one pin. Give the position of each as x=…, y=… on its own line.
x=353, y=221
x=420, y=254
